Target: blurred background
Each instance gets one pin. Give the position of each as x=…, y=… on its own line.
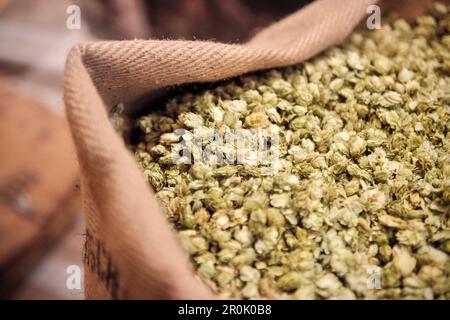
x=41, y=221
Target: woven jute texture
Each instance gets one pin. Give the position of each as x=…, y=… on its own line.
x=130, y=251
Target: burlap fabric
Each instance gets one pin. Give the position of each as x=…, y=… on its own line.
x=130, y=251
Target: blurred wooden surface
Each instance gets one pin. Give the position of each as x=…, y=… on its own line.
x=226, y=21
x=48, y=279
x=37, y=239
x=38, y=178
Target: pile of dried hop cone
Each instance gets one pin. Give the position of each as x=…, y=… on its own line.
x=354, y=199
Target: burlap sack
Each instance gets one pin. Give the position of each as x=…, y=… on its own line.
x=130, y=251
